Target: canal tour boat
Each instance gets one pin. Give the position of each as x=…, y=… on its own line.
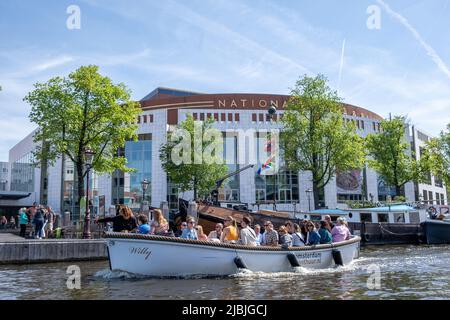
x=162, y=256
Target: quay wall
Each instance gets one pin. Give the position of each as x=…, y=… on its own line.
x=45, y=251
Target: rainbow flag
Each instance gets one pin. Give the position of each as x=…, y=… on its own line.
x=266, y=166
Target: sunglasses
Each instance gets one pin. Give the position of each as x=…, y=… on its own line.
x=184, y=224
x=191, y=222
x=266, y=225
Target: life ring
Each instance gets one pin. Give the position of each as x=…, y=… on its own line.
x=366, y=237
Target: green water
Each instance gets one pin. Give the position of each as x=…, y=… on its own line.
x=407, y=272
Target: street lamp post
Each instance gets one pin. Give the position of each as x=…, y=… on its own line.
x=89, y=155
x=308, y=194
x=144, y=184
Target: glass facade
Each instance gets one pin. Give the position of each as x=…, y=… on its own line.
x=230, y=187
x=70, y=191
x=4, y=167
x=22, y=174
x=281, y=187
x=127, y=188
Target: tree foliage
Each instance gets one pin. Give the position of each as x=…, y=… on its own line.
x=199, y=177
x=315, y=137
x=389, y=156
x=439, y=155
x=80, y=111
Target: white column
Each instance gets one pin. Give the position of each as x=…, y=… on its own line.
x=305, y=183
x=159, y=177
x=372, y=184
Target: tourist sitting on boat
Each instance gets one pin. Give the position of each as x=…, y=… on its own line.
x=340, y=232
x=230, y=233
x=144, y=227
x=159, y=225
x=216, y=233
x=312, y=237
x=247, y=235
x=190, y=232
x=297, y=237
x=325, y=235
x=123, y=222
x=259, y=236
x=180, y=229
x=303, y=228
x=285, y=238
x=270, y=235
x=200, y=234
x=327, y=218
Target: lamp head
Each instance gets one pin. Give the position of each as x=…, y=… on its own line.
x=272, y=110
x=89, y=156
x=145, y=184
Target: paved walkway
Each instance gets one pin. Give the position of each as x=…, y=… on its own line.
x=9, y=237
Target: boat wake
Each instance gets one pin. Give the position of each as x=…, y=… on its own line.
x=108, y=274
x=296, y=271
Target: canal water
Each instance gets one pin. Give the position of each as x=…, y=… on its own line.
x=406, y=272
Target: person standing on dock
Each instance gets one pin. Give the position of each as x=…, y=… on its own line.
x=23, y=222
x=38, y=221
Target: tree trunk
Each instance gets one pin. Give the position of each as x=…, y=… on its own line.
x=316, y=196
x=80, y=184
x=195, y=189
x=398, y=191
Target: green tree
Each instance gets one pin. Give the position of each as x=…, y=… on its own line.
x=439, y=155
x=81, y=111
x=190, y=142
x=315, y=137
x=388, y=152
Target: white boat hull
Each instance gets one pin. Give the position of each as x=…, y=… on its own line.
x=173, y=257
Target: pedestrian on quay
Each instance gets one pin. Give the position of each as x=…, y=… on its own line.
x=12, y=223
x=38, y=221
x=3, y=222
x=50, y=221
x=23, y=221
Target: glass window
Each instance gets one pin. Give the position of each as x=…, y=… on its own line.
x=399, y=217
x=414, y=217
x=366, y=217
x=383, y=218
x=127, y=187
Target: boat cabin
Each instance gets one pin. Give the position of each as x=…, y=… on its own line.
x=388, y=214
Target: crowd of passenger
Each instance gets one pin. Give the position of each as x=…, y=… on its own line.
x=306, y=233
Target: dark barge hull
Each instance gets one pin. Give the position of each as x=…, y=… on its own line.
x=371, y=233
x=388, y=233
x=436, y=232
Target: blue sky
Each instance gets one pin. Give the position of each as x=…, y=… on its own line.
x=220, y=46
